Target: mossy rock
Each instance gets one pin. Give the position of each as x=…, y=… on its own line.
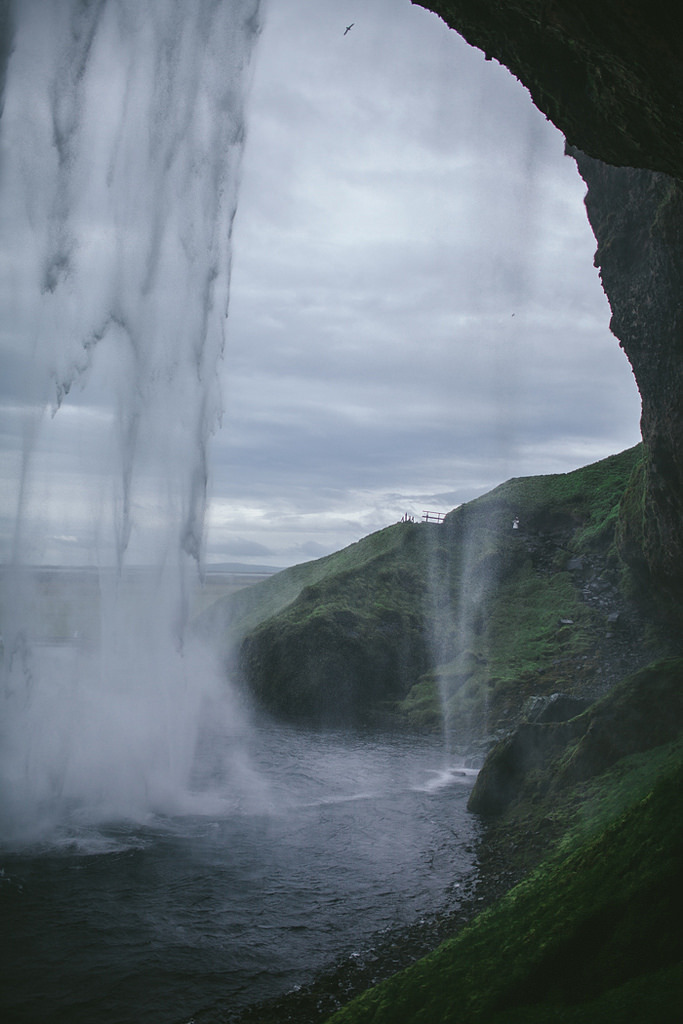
x=643, y=712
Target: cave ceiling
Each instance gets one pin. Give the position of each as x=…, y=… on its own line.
x=609, y=74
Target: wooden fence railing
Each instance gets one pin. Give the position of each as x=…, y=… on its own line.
x=433, y=517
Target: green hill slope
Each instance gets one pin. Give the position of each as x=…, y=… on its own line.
x=518, y=595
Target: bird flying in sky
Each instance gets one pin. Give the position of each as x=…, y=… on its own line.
x=349, y=27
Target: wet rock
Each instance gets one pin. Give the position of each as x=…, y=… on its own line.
x=505, y=770
x=643, y=712
x=558, y=707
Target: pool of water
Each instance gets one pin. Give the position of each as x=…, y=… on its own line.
x=335, y=840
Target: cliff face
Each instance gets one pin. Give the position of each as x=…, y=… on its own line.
x=610, y=76
x=637, y=219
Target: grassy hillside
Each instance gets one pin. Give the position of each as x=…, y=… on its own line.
x=457, y=625
x=240, y=613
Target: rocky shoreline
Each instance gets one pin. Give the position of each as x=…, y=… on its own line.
x=392, y=951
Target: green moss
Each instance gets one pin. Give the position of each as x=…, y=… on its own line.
x=588, y=497
x=606, y=798
x=422, y=708
x=656, y=996
x=525, y=627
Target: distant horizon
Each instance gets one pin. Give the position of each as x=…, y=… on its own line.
x=267, y=569
x=236, y=568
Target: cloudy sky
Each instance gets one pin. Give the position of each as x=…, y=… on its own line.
x=414, y=314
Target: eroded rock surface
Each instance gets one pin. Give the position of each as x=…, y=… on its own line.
x=637, y=219
x=643, y=712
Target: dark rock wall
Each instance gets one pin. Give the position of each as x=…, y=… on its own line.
x=643, y=712
x=610, y=76
x=637, y=219
x=335, y=669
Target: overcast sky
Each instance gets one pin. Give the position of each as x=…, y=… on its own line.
x=414, y=313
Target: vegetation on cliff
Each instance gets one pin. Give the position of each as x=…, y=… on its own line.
x=541, y=758
x=518, y=595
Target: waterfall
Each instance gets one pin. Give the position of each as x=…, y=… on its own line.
x=121, y=137
x=464, y=559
